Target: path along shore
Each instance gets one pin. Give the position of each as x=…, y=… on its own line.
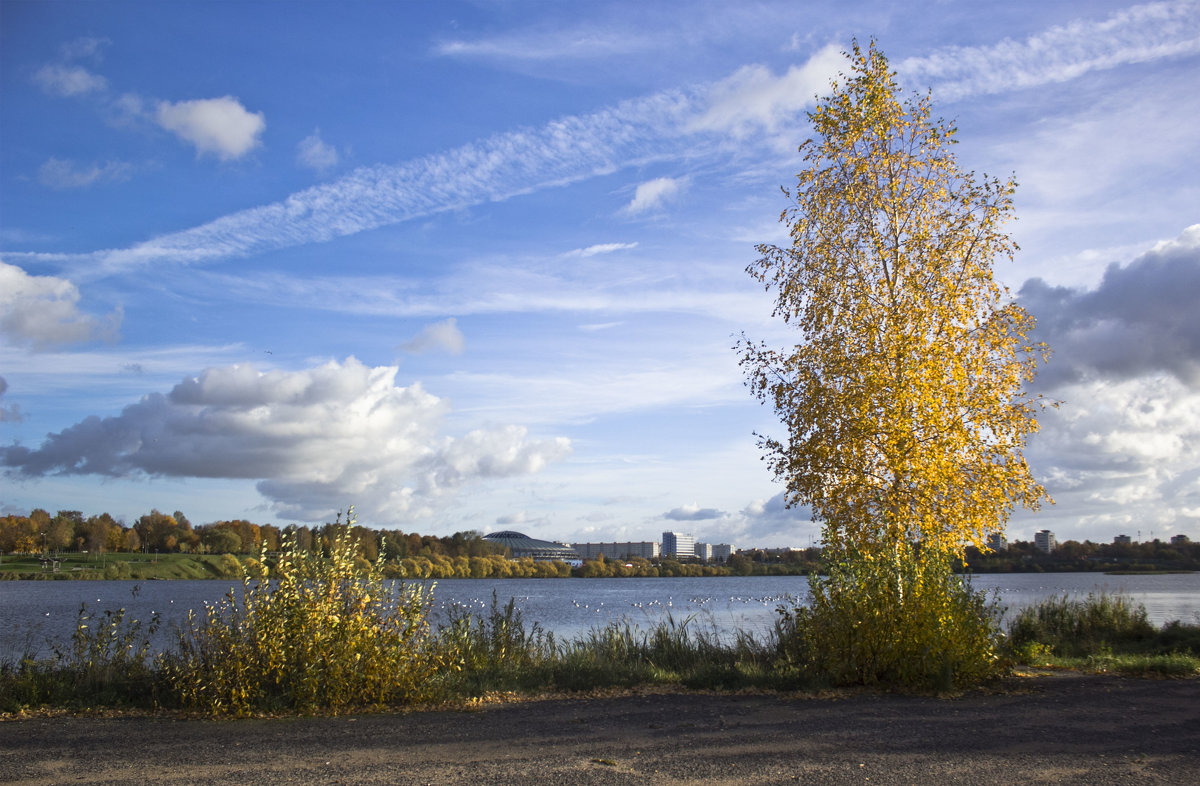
x=1058, y=728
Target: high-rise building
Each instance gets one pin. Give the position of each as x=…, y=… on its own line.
x=678, y=544
x=1044, y=541
x=721, y=552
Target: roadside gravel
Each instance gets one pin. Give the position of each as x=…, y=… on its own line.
x=1063, y=728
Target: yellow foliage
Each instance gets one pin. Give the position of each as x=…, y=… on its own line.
x=319, y=635
x=904, y=403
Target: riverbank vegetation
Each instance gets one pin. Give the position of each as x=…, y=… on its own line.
x=331, y=635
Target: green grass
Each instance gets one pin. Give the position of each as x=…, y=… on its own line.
x=139, y=567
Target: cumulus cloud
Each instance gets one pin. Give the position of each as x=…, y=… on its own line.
x=693, y=512
x=1139, y=320
x=316, y=440
x=221, y=126
x=8, y=413
x=441, y=336
x=314, y=153
x=754, y=99
x=64, y=173
x=69, y=80
x=42, y=312
x=1119, y=455
x=653, y=194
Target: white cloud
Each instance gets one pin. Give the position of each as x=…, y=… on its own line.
x=64, y=173
x=753, y=99
x=600, y=248
x=86, y=47
x=653, y=194
x=314, y=153
x=580, y=43
x=69, y=80
x=221, y=126
x=1132, y=35
x=316, y=440
x=1118, y=456
x=42, y=311
x=440, y=336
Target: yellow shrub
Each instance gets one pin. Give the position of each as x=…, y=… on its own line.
x=319, y=635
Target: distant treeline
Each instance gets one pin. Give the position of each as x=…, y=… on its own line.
x=69, y=530
x=1071, y=555
x=467, y=554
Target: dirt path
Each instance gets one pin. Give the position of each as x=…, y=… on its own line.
x=1059, y=729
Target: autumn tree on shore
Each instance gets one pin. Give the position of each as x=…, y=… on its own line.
x=904, y=403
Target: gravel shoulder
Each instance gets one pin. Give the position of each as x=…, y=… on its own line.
x=1064, y=728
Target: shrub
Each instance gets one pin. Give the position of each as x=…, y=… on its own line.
x=909, y=622
x=319, y=635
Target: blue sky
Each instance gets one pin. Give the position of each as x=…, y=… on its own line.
x=480, y=265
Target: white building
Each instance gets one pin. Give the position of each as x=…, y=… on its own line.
x=704, y=551
x=678, y=544
x=997, y=542
x=721, y=552
x=645, y=549
x=1044, y=541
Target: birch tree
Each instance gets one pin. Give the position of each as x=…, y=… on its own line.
x=904, y=402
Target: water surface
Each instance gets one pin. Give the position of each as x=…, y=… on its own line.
x=31, y=612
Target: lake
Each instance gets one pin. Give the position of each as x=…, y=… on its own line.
x=33, y=611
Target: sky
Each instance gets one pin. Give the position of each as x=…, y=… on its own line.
x=481, y=265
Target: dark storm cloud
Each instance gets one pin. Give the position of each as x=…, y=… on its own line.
x=1141, y=319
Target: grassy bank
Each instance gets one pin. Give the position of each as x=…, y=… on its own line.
x=140, y=567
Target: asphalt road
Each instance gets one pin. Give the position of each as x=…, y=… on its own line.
x=1057, y=729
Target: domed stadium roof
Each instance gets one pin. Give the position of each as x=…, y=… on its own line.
x=521, y=545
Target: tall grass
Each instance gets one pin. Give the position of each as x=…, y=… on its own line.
x=1073, y=628
x=107, y=663
x=1105, y=633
